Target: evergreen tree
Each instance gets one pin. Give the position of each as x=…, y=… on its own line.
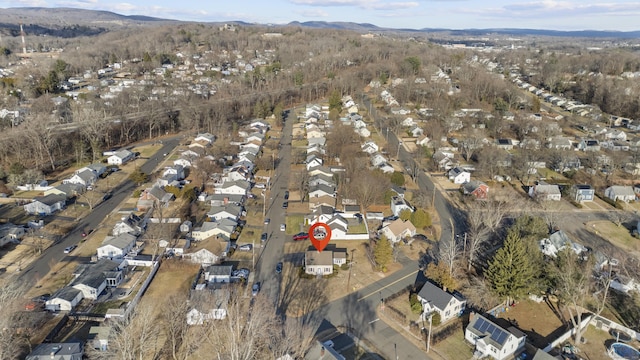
x=405, y=214
x=510, y=273
x=335, y=102
x=397, y=178
x=383, y=253
x=420, y=219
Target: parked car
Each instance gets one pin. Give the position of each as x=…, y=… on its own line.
x=263, y=237
x=245, y=247
x=279, y=268
x=69, y=249
x=255, y=289
x=267, y=221
x=285, y=204
x=283, y=227
x=243, y=273
x=261, y=186
x=300, y=236
x=286, y=195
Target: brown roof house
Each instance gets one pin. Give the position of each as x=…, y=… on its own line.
x=398, y=230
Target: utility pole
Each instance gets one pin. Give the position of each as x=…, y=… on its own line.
x=429, y=335
x=395, y=348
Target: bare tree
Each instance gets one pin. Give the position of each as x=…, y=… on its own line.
x=572, y=279
x=449, y=253
x=370, y=188
x=183, y=340
x=133, y=338
x=301, y=183
x=618, y=217
x=12, y=342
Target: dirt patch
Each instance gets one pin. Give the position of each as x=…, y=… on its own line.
x=174, y=277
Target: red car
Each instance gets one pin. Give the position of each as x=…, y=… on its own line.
x=300, y=236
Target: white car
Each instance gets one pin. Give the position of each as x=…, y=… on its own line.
x=283, y=227
x=245, y=247
x=261, y=186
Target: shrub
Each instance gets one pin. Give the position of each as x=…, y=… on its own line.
x=436, y=319
x=137, y=193
x=304, y=275
x=344, y=267
x=416, y=306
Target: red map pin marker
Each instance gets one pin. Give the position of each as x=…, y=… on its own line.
x=320, y=237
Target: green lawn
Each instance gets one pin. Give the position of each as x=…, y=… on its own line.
x=293, y=224
x=299, y=143
x=454, y=347
x=356, y=228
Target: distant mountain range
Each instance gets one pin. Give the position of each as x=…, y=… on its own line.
x=71, y=22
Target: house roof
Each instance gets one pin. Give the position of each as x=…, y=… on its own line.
x=472, y=185
x=121, y=241
x=220, y=269
x=583, y=187
x=50, y=199
x=622, y=190
x=66, y=293
x=321, y=176
x=323, y=210
x=70, y=189
x=123, y=154
x=57, y=351
x=398, y=226
x=318, y=258
x=87, y=175
x=241, y=183
x=93, y=275
x=330, y=190
x=229, y=208
x=456, y=171
x=436, y=296
x=157, y=192
x=488, y=331
x=549, y=189
x=234, y=198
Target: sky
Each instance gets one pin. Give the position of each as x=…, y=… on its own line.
x=621, y=15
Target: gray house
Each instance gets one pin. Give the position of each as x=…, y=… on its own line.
x=582, y=192
x=622, y=193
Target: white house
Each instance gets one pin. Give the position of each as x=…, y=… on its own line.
x=398, y=230
x=64, y=299
x=116, y=247
x=85, y=178
x=557, y=242
x=120, y=157
x=10, y=233
x=45, y=205
x=435, y=299
x=398, y=204
x=204, y=257
x=370, y=147
x=459, y=175
x=622, y=193
x=240, y=187
x=222, y=228
x=218, y=273
x=492, y=340
x=321, y=262
x=544, y=191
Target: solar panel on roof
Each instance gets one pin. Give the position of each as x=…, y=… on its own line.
x=503, y=336
x=478, y=324
x=485, y=325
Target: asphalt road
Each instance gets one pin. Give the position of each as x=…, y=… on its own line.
x=55, y=253
x=357, y=312
x=445, y=210
x=273, y=249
